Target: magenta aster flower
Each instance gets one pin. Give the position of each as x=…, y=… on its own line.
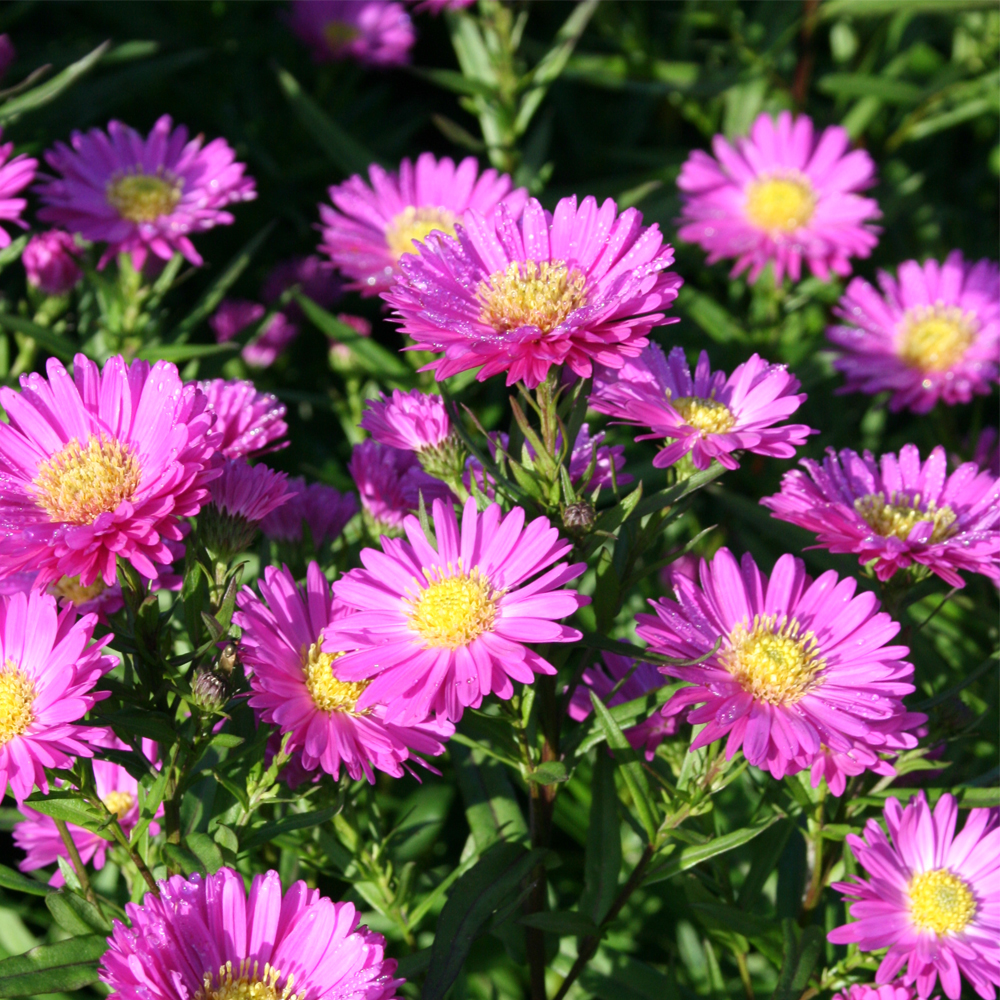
x=98, y=598
x=268, y=345
x=780, y=195
x=865, y=991
x=241, y=498
x=48, y=669
x=251, y=423
x=377, y=32
x=315, y=278
x=296, y=687
x=325, y=510
x=50, y=264
x=707, y=416
x=587, y=449
x=987, y=453
x=802, y=666
x=39, y=838
x=99, y=466
x=898, y=512
x=205, y=937
x=371, y=226
x=577, y=288
x=140, y=195
x=649, y=733
x=233, y=316
x=15, y=176
x=436, y=630
x=933, y=898
x=410, y=421
x=933, y=333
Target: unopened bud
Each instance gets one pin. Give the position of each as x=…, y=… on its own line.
x=444, y=461
x=578, y=518
x=210, y=691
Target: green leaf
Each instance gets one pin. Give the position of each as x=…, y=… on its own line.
x=747, y=924
x=10, y=879
x=142, y=724
x=182, y=858
x=297, y=821
x=179, y=353
x=41, y=335
x=68, y=807
x=886, y=89
x=801, y=954
x=603, y=859
x=48, y=91
x=225, y=740
x=836, y=9
x=491, y=807
x=13, y=250
x=52, y=968
x=764, y=859
x=549, y=773
x=629, y=979
x=719, y=324
x=565, y=923
x=76, y=915
x=206, y=851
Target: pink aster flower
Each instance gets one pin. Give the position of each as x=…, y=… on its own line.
x=233, y=316
x=99, y=466
x=50, y=264
x=271, y=342
x=436, y=630
x=251, y=423
x=206, y=937
x=376, y=32
x=39, y=838
x=780, y=195
x=933, y=898
x=933, y=333
x=802, y=664
x=323, y=509
x=48, y=669
x=898, y=512
x=865, y=991
x=708, y=416
x=296, y=685
x=240, y=499
x=649, y=733
x=15, y=176
x=140, y=195
x=372, y=226
x=987, y=453
x=316, y=279
x=410, y=421
x=577, y=288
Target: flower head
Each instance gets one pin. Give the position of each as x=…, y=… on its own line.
x=139, y=195
x=204, y=938
x=325, y=510
x=99, y=466
x=315, y=278
x=865, y=991
x=435, y=630
x=578, y=287
x=933, y=898
x=270, y=343
x=802, y=666
x=780, y=195
x=240, y=499
x=933, y=333
x=50, y=264
x=708, y=416
x=233, y=316
x=377, y=32
x=48, y=669
x=898, y=512
x=410, y=421
x=15, y=176
x=987, y=453
x=251, y=423
x=372, y=226
x=605, y=458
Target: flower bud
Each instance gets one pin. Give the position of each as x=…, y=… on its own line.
x=50, y=262
x=210, y=691
x=578, y=518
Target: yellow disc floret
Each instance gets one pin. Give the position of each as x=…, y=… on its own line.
x=707, y=415
x=339, y=34
x=69, y=587
x=900, y=514
x=141, y=197
x=17, y=702
x=328, y=693
x=941, y=902
x=935, y=338
x=119, y=803
x=415, y=223
x=532, y=294
x=780, y=204
x=772, y=660
x=454, y=608
x=246, y=984
x=78, y=483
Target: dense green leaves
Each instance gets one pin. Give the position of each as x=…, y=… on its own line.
x=51, y=968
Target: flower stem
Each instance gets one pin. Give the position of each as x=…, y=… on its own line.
x=75, y=860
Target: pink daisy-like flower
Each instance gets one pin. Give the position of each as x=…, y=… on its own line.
x=296, y=687
x=865, y=991
x=48, y=669
x=15, y=176
x=933, y=333
x=99, y=466
x=708, y=416
x=50, y=264
x=933, y=898
x=271, y=342
x=376, y=32
x=802, y=664
x=436, y=630
x=39, y=838
x=241, y=498
x=233, y=316
x=140, y=195
x=323, y=509
x=250, y=423
x=315, y=278
x=578, y=287
x=372, y=226
x=987, y=453
x=206, y=937
x=898, y=512
x=410, y=421
x=780, y=195
x=646, y=735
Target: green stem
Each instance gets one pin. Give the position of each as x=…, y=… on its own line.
x=119, y=834
x=75, y=860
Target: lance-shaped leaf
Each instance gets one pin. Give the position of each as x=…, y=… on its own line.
x=51, y=89
x=10, y=879
x=603, y=859
x=53, y=968
x=491, y=807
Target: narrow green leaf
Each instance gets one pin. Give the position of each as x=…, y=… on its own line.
x=76, y=915
x=182, y=858
x=179, y=353
x=51, y=89
x=297, y=821
x=491, y=807
x=206, y=851
x=763, y=861
x=10, y=879
x=67, y=807
x=719, y=324
x=603, y=859
x=226, y=740
x=801, y=954
x=565, y=923
x=747, y=924
x=886, y=89
x=41, y=335
x=13, y=250
x=835, y=9
x=53, y=968
x=550, y=773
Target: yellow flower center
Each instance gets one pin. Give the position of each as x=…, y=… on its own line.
x=900, y=515
x=772, y=660
x=143, y=197
x=339, y=34
x=780, y=204
x=76, y=484
x=246, y=984
x=532, y=294
x=934, y=338
x=69, y=587
x=17, y=700
x=707, y=415
x=940, y=902
x=454, y=608
x=415, y=223
x=328, y=693
x=119, y=803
